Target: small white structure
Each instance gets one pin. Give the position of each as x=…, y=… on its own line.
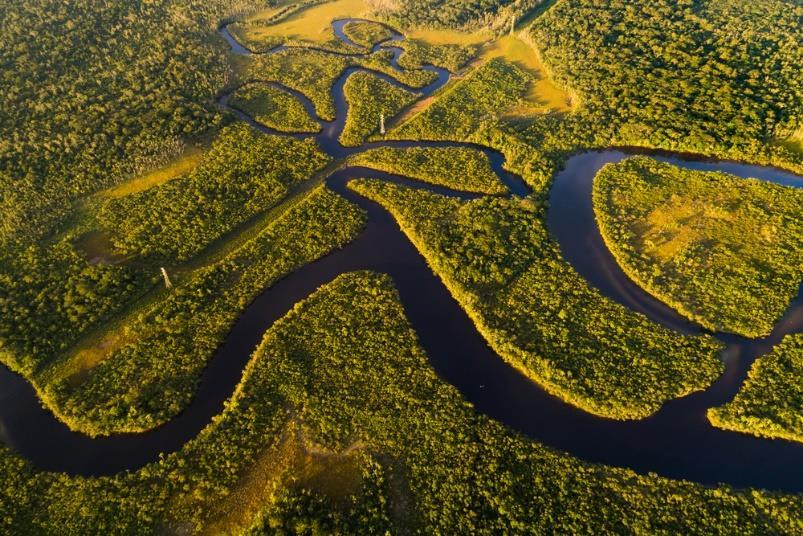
x=168, y=284
x=382, y=124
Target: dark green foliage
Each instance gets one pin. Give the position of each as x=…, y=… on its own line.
x=770, y=403
x=313, y=73
x=481, y=96
x=703, y=76
x=94, y=91
x=242, y=174
x=724, y=251
x=459, y=168
x=274, y=108
x=344, y=365
x=536, y=312
x=369, y=97
x=367, y=33
x=150, y=379
x=493, y=15
x=49, y=296
x=451, y=57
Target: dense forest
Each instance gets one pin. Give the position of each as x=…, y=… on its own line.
x=706, y=76
x=770, y=403
x=341, y=426
x=116, y=160
x=723, y=251
x=499, y=262
x=459, y=168
x=96, y=91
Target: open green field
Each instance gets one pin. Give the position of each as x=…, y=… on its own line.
x=723, y=251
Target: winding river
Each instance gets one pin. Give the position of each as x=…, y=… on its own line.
x=676, y=442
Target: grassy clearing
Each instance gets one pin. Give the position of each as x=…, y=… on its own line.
x=542, y=95
x=723, y=251
x=770, y=402
x=189, y=160
x=459, y=168
x=459, y=111
x=312, y=24
x=499, y=262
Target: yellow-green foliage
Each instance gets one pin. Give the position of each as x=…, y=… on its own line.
x=242, y=174
x=344, y=369
x=459, y=168
x=498, y=261
x=274, y=108
x=151, y=378
x=484, y=94
x=313, y=73
x=418, y=52
x=724, y=251
x=770, y=403
x=367, y=33
x=369, y=97
x=680, y=75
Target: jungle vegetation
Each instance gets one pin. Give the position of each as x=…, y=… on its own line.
x=459, y=168
x=499, y=262
x=372, y=101
x=313, y=73
x=724, y=251
x=770, y=402
x=367, y=33
x=151, y=371
x=273, y=107
x=243, y=173
x=350, y=431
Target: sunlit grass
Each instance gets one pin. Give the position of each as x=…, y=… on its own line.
x=311, y=24
x=543, y=94
x=191, y=157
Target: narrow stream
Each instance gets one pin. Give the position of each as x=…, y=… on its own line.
x=676, y=442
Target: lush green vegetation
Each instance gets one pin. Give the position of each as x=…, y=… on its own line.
x=459, y=168
x=274, y=108
x=418, y=52
x=58, y=296
x=498, y=261
x=313, y=73
x=367, y=33
x=707, y=76
x=152, y=375
x=723, y=251
x=307, y=23
x=242, y=174
x=370, y=98
x=770, y=403
x=350, y=431
x=94, y=92
x=492, y=15
x=485, y=93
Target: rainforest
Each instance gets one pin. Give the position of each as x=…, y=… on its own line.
x=412, y=267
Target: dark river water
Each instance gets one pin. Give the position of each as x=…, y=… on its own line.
x=676, y=442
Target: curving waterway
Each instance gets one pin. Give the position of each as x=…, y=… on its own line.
x=676, y=442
